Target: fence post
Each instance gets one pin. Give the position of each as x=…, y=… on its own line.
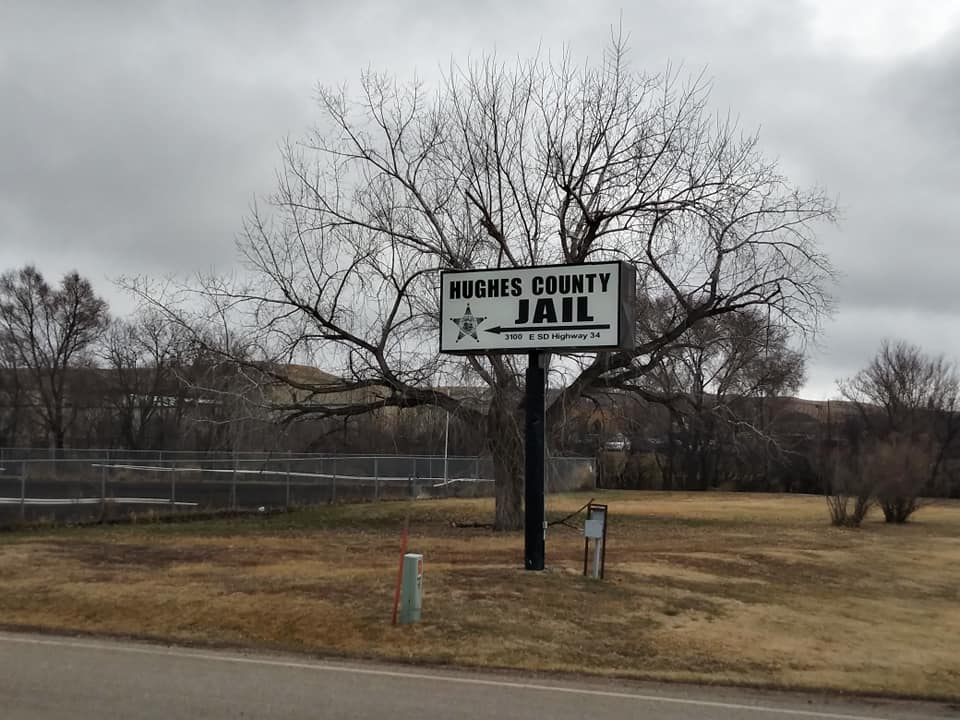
x=376, y=478
x=413, y=478
x=103, y=491
x=333, y=486
x=233, y=483
x=23, y=490
x=173, y=485
x=289, y=456
x=476, y=468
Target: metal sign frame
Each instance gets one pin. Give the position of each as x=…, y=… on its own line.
x=536, y=343
x=470, y=320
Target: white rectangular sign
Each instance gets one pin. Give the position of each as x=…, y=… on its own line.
x=550, y=307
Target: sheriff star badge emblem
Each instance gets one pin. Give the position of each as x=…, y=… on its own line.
x=468, y=323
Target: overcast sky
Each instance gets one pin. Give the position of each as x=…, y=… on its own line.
x=134, y=135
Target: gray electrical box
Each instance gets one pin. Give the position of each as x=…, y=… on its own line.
x=411, y=588
x=595, y=529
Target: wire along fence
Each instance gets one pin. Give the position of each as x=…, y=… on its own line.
x=82, y=485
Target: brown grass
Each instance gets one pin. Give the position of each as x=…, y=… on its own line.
x=707, y=588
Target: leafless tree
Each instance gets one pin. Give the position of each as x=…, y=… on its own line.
x=50, y=331
x=908, y=399
x=904, y=383
x=11, y=394
x=717, y=381
x=145, y=357
x=543, y=161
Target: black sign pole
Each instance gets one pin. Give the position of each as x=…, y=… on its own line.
x=534, y=540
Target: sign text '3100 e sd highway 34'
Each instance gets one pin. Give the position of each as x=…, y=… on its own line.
x=586, y=307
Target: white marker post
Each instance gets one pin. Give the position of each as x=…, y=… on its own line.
x=411, y=588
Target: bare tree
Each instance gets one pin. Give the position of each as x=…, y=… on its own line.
x=49, y=331
x=717, y=380
x=502, y=166
x=145, y=356
x=905, y=384
x=909, y=400
x=11, y=394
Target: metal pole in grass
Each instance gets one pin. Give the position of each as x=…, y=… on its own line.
x=534, y=525
x=376, y=478
x=403, y=551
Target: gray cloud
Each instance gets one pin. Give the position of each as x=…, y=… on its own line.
x=135, y=135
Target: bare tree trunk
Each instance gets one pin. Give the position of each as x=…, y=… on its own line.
x=58, y=433
x=506, y=446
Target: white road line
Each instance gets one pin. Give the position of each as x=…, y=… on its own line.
x=324, y=667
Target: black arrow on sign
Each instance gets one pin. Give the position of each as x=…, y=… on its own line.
x=520, y=328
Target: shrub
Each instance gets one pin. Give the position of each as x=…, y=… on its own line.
x=849, y=487
x=901, y=465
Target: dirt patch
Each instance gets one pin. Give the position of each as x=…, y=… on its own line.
x=103, y=556
x=149, y=556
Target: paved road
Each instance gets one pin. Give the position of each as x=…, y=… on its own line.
x=50, y=678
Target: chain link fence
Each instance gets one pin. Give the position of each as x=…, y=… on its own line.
x=81, y=485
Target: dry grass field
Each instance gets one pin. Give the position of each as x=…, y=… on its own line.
x=716, y=588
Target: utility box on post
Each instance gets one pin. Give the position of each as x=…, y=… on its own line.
x=411, y=588
x=595, y=529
